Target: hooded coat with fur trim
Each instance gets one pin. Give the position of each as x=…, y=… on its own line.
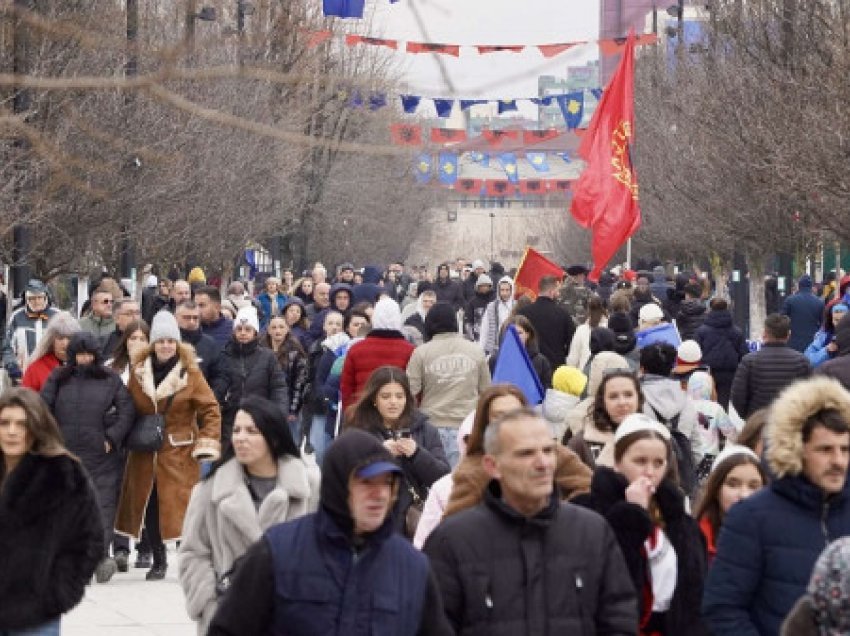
x=174, y=467
x=51, y=539
x=222, y=523
x=769, y=542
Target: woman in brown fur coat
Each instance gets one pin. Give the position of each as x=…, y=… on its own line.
x=571, y=476
x=157, y=486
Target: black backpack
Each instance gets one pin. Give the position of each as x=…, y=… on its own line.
x=682, y=451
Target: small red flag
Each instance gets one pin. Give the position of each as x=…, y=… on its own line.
x=469, y=186
x=447, y=135
x=532, y=186
x=618, y=45
x=559, y=185
x=427, y=47
x=605, y=198
x=537, y=136
x=510, y=48
x=551, y=50
x=406, y=134
x=496, y=137
x=351, y=40
x=318, y=37
x=532, y=268
x=498, y=187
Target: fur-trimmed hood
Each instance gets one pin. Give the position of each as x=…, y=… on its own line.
x=176, y=378
x=798, y=402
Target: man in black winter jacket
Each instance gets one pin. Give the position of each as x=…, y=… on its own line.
x=521, y=562
x=448, y=290
x=552, y=322
x=762, y=375
x=207, y=350
x=691, y=313
x=723, y=345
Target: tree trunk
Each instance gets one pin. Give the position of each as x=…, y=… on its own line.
x=758, y=303
x=720, y=275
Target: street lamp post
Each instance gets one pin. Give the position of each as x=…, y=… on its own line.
x=492, y=236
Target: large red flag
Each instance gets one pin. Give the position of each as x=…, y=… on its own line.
x=605, y=198
x=532, y=268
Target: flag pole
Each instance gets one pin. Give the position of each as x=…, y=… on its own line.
x=629, y=253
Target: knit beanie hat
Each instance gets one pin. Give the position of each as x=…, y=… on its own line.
x=247, y=315
x=196, y=276
x=570, y=380
x=829, y=588
x=601, y=339
x=164, y=327
x=387, y=315
x=484, y=280
x=624, y=334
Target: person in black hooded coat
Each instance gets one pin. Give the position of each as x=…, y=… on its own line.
x=723, y=346
x=448, y=290
x=51, y=535
x=95, y=413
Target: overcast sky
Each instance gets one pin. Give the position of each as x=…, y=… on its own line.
x=496, y=75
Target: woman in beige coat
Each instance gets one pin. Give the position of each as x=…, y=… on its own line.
x=260, y=481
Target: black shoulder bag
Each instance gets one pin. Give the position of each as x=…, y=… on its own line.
x=147, y=433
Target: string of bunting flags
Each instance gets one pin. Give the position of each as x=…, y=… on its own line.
x=403, y=134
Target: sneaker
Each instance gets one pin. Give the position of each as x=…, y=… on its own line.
x=105, y=570
x=143, y=560
x=122, y=560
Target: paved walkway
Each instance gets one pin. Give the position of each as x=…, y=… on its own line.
x=130, y=606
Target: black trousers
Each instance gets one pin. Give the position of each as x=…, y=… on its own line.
x=152, y=520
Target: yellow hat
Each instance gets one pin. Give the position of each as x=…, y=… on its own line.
x=196, y=276
x=567, y=379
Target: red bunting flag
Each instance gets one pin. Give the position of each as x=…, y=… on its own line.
x=606, y=195
x=351, y=40
x=537, y=136
x=316, y=38
x=499, y=187
x=532, y=268
x=532, y=186
x=406, y=134
x=559, y=185
x=469, y=186
x=510, y=48
x=618, y=45
x=447, y=135
x=496, y=137
x=426, y=47
x=551, y=50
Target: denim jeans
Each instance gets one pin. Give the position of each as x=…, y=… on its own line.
x=319, y=438
x=52, y=628
x=448, y=436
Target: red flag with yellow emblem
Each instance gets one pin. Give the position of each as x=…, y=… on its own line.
x=605, y=197
x=532, y=268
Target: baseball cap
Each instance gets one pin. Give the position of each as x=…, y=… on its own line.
x=376, y=468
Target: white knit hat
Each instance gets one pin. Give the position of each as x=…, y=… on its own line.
x=732, y=449
x=387, y=315
x=247, y=315
x=640, y=422
x=164, y=327
x=650, y=311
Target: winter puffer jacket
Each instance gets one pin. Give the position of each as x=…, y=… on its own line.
x=253, y=370
x=565, y=560
x=690, y=316
x=763, y=374
x=722, y=343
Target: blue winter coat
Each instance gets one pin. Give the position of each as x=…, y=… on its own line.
x=266, y=305
x=722, y=343
x=806, y=313
x=767, y=548
x=817, y=352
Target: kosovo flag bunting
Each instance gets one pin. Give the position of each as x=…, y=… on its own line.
x=343, y=8
x=530, y=137
x=422, y=168
x=514, y=367
x=377, y=101
x=572, y=107
x=410, y=103
x=465, y=104
x=428, y=47
x=538, y=161
x=448, y=167
x=469, y=186
x=355, y=99
x=507, y=105
x=542, y=101
x=508, y=160
x=596, y=92
x=443, y=106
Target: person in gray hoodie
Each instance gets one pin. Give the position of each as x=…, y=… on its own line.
x=496, y=313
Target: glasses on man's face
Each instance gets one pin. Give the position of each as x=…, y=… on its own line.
x=105, y=301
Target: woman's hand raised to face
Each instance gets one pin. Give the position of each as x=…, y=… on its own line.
x=640, y=492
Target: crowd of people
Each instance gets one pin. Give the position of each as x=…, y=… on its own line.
x=332, y=455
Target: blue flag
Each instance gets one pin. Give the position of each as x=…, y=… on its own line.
x=665, y=332
x=513, y=366
x=422, y=167
x=480, y=157
x=538, y=161
x=448, y=167
x=508, y=160
x=344, y=8
x=377, y=101
x=572, y=108
x=597, y=93
x=443, y=106
x=410, y=103
x=542, y=101
x=465, y=104
x=506, y=105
